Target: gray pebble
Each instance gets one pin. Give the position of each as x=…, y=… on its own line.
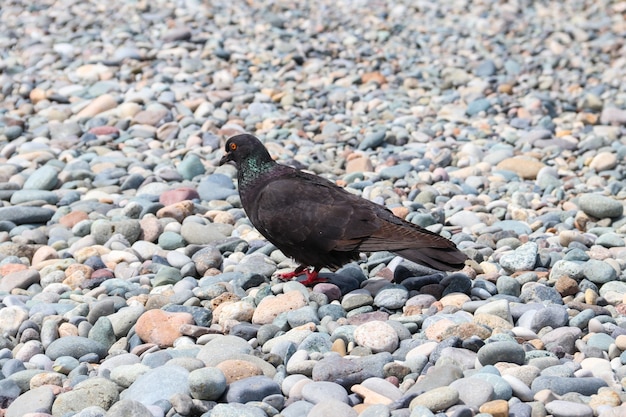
x=76, y=347
x=332, y=407
x=560, y=408
x=495, y=352
x=600, y=206
x=473, y=392
x=599, y=272
x=521, y=259
x=93, y=392
x=253, y=388
x=44, y=178
x=320, y=391
x=207, y=383
x=236, y=410
x=561, y=386
x=125, y=407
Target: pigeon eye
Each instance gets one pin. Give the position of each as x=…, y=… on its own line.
x=233, y=146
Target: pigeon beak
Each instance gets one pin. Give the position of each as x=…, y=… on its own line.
x=226, y=158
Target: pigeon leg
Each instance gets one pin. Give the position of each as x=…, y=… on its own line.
x=311, y=275
x=312, y=278
x=302, y=269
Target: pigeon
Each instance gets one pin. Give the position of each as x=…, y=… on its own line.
x=318, y=223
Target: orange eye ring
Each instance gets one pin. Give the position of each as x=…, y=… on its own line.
x=233, y=146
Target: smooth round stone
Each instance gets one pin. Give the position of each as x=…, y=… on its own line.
x=126, y=375
x=617, y=287
x=473, y=392
x=376, y=410
x=373, y=140
x=333, y=311
x=601, y=341
x=599, y=272
x=520, y=389
x=499, y=308
x=558, y=370
x=437, y=399
x=570, y=268
x=464, y=218
x=560, y=408
x=205, y=234
x=65, y=364
x=96, y=391
x=332, y=407
x=149, y=387
x=237, y=410
x=254, y=388
x=297, y=409
x=521, y=259
x=128, y=407
x=44, y=178
x=256, y=265
x=302, y=315
x=123, y=319
x=377, y=335
x=383, y=387
x=11, y=366
x=495, y=352
x=561, y=386
x=41, y=361
x=24, y=196
x=201, y=316
x=320, y=391
x=581, y=320
x=508, y=286
x=102, y=332
x=600, y=206
x=167, y=275
x=191, y=167
x=356, y=299
x=478, y=105
x=316, y=342
x=515, y=226
x=40, y=398
x=207, y=383
x=501, y=389
x=350, y=371
x=396, y=171
x=115, y=361
x=562, y=339
x=75, y=346
x=391, y=297
x=610, y=240
x=26, y=215
x=552, y=315
x=171, y=240
x=536, y=292
x=216, y=187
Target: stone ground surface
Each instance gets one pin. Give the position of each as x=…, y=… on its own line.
x=132, y=283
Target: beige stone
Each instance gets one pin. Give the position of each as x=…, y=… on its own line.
x=497, y=408
x=270, y=307
x=98, y=105
x=160, y=327
x=236, y=369
x=525, y=167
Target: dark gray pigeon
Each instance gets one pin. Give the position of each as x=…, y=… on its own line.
x=320, y=224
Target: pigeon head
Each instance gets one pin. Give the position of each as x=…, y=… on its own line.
x=242, y=149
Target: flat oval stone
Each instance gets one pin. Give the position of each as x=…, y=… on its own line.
x=495, y=352
x=76, y=347
x=254, y=388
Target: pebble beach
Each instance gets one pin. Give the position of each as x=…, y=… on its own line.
x=133, y=284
